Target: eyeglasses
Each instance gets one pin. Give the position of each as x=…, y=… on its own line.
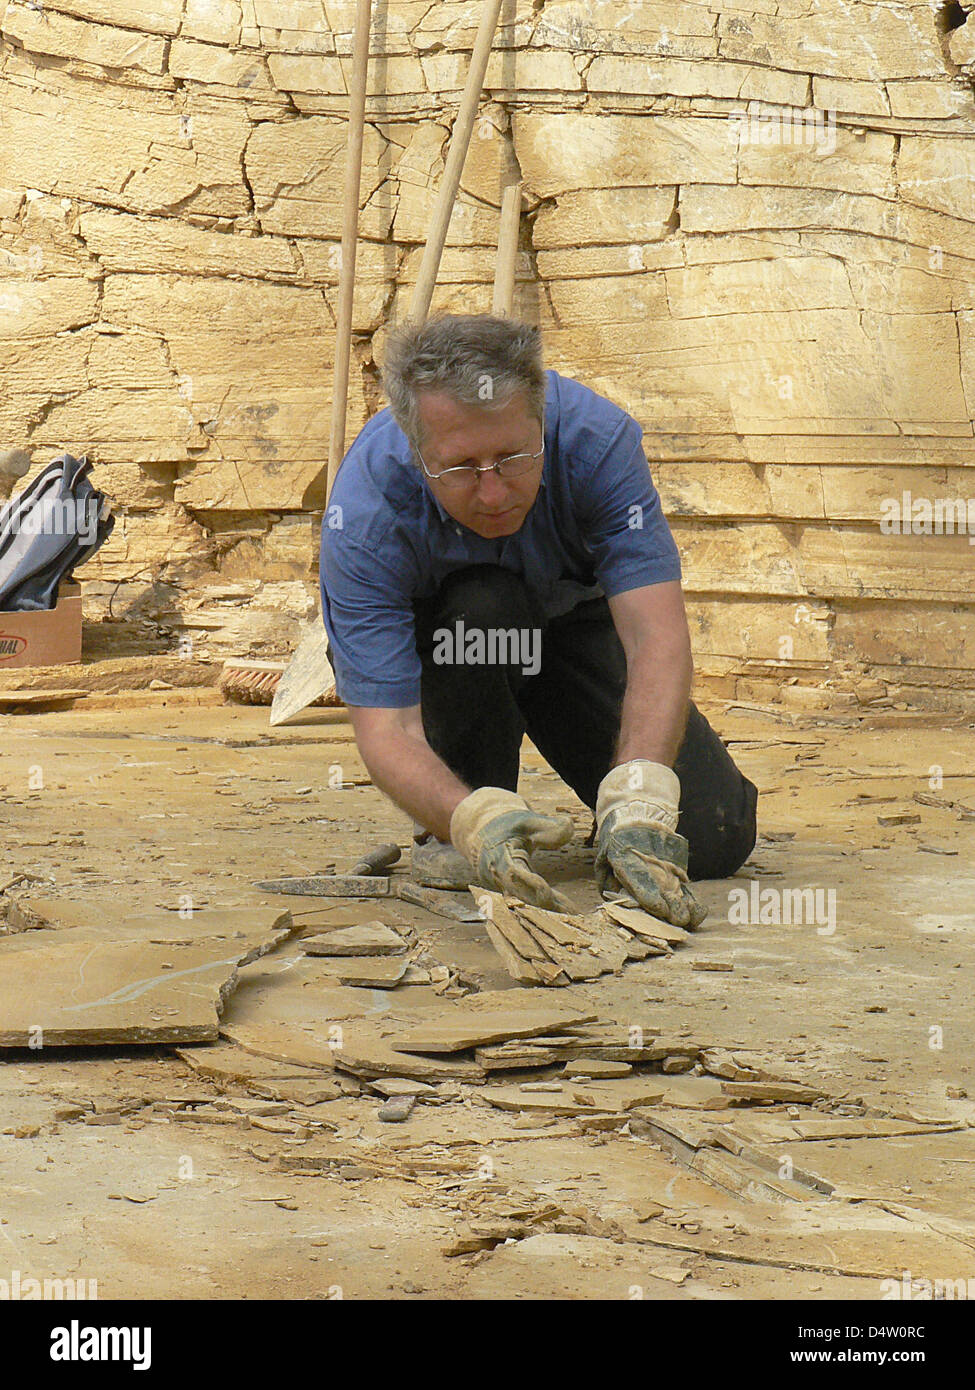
x=466, y=473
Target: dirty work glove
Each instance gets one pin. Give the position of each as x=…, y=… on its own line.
x=496, y=830
x=637, y=843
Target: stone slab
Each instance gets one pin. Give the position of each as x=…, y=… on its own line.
x=369, y=939
x=599, y=1097
x=369, y=972
x=227, y=1062
x=66, y=987
x=292, y=1011
x=461, y=1027
x=651, y=928
x=364, y=1051
x=595, y=1069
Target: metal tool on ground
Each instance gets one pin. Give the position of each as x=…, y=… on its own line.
x=329, y=886
x=372, y=886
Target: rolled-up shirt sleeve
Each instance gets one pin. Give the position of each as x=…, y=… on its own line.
x=622, y=520
x=368, y=613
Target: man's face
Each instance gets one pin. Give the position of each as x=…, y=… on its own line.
x=453, y=434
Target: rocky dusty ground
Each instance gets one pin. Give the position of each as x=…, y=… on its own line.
x=237, y=1175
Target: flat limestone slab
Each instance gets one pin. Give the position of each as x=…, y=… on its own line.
x=292, y=1014
x=76, y=988
x=645, y=925
x=363, y=1050
x=401, y=1086
x=103, y=920
x=369, y=939
x=225, y=1061
x=282, y=1044
x=368, y=972
x=771, y=1092
x=519, y=1054
x=692, y=1093
x=595, y=1069
x=599, y=1097
x=494, y=1018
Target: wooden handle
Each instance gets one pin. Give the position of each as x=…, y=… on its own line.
x=350, y=228
x=454, y=167
x=383, y=857
x=504, y=274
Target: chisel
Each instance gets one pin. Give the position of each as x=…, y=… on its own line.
x=371, y=886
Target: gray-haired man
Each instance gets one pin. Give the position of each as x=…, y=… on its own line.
x=495, y=562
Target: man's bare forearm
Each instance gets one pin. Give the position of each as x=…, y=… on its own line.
x=403, y=765
x=655, y=706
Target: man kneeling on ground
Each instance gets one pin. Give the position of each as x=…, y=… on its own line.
x=495, y=562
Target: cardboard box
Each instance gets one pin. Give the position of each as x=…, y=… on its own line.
x=51, y=637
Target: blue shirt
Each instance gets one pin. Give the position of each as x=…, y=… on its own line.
x=596, y=527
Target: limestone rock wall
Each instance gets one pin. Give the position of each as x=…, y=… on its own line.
x=751, y=222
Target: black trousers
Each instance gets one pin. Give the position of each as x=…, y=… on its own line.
x=474, y=716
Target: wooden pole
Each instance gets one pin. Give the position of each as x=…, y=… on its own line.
x=350, y=230
x=504, y=273
x=459, y=141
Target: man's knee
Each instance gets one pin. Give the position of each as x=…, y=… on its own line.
x=485, y=597
x=722, y=839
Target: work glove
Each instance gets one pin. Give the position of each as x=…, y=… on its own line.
x=496, y=830
x=637, y=842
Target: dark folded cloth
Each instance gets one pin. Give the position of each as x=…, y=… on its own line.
x=56, y=523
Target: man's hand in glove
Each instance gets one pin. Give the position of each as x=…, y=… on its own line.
x=497, y=830
x=637, y=843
